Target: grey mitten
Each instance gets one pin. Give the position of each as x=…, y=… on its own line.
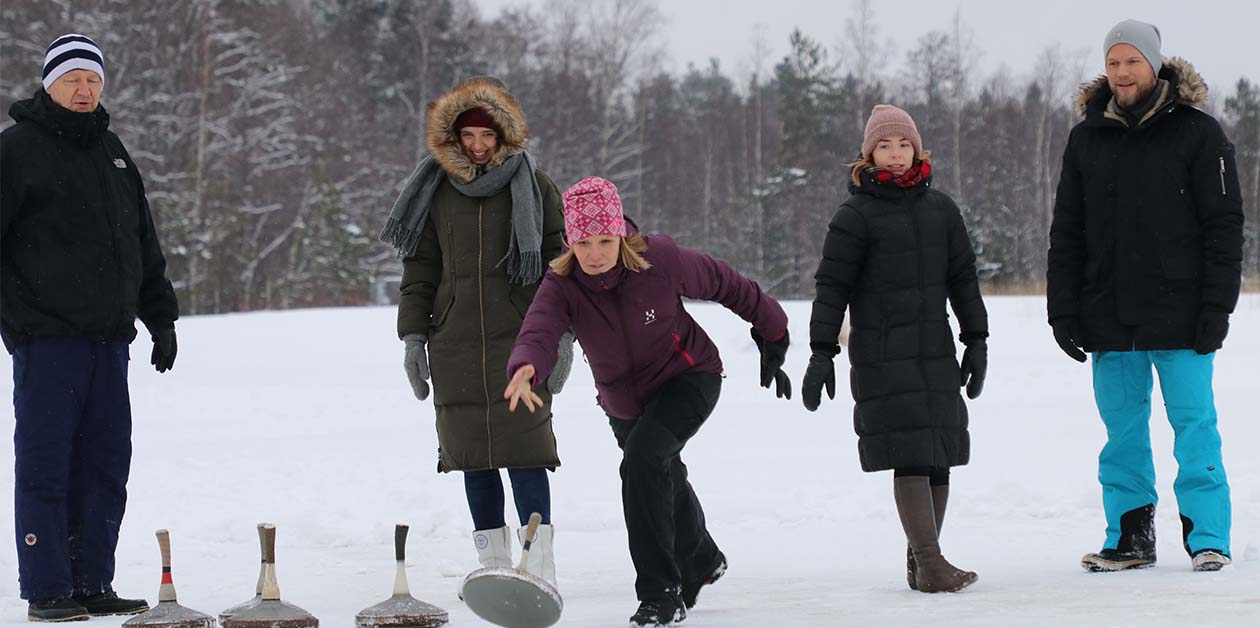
x=416, y=363
x=564, y=363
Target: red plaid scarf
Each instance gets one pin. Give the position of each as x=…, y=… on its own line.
x=917, y=173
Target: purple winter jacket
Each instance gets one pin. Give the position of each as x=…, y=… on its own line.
x=632, y=325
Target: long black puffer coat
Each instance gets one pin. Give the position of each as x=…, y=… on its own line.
x=892, y=256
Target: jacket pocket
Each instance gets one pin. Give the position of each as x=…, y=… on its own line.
x=445, y=295
x=1225, y=167
x=1180, y=258
x=521, y=297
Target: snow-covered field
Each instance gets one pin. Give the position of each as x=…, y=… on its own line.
x=305, y=419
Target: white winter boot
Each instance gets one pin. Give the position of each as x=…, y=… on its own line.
x=542, y=559
x=494, y=547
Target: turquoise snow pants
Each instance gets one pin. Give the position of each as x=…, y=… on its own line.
x=1122, y=389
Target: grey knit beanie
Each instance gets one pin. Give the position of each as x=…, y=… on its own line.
x=1145, y=37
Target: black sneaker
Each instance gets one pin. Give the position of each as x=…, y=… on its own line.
x=108, y=603
x=56, y=609
x=691, y=590
x=659, y=613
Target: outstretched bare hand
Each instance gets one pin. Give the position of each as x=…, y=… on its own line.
x=521, y=388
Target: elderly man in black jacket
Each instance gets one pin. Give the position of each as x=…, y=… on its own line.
x=1144, y=269
x=79, y=261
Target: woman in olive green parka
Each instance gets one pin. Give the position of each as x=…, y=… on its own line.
x=476, y=225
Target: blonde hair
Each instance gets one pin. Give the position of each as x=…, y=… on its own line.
x=866, y=162
x=630, y=254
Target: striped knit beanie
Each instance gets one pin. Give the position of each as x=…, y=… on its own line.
x=592, y=208
x=72, y=52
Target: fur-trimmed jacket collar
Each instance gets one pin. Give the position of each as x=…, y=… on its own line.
x=492, y=96
x=1188, y=87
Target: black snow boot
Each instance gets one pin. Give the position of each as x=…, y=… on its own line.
x=1136, y=548
x=691, y=590
x=1209, y=560
x=659, y=613
x=56, y=609
x=108, y=603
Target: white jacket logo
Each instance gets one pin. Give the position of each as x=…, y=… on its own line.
x=120, y=164
x=649, y=317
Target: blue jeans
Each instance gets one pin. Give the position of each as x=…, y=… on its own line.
x=72, y=450
x=1122, y=390
x=531, y=490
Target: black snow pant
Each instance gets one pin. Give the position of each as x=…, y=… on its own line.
x=669, y=543
x=72, y=444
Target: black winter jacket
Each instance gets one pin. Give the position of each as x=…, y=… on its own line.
x=892, y=257
x=78, y=252
x=1147, y=230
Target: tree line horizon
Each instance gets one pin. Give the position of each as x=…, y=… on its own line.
x=273, y=136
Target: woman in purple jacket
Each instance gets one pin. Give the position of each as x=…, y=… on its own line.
x=658, y=376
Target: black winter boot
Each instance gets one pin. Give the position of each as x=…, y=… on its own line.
x=56, y=609
x=691, y=590
x=1136, y=548
x=659, y=613
x=932, y=573
x=108, y=603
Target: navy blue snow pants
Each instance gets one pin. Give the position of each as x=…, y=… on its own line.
x=72, y=444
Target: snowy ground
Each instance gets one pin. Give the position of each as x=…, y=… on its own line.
x=305, y=419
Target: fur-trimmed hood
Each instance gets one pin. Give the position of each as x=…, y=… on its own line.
x=1190, y=88
x=491, y=95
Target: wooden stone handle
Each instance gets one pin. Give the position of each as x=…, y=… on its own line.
x=400, y=542
x=166, y=593
x=268, y=543
x=270, y=589
x=531, y=531
x=164, y=544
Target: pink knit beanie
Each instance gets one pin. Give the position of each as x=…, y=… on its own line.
x=889, y=121
x=592, y=208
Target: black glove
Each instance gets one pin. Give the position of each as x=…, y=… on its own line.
x=820, y=372
x=164, y=349
x=975, y=363
x=1209, y=334
x=772, y=355
x=1068, y=336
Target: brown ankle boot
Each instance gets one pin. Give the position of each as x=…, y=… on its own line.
x=940, y=498
x=932, y=573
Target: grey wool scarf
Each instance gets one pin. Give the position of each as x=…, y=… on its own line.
x=411, y=210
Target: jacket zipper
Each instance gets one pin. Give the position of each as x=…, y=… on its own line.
x=481, y=309
x=918, y=249
x=634, y=385
x=1223, y=193
x=113, y=232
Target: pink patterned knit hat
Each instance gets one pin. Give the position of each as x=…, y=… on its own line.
x=592, y=208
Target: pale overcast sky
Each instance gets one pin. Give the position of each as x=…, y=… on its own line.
x=1218, y=36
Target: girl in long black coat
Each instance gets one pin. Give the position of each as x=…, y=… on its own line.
x=894, y=253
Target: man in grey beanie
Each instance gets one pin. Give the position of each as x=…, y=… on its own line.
x=1144, y=270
